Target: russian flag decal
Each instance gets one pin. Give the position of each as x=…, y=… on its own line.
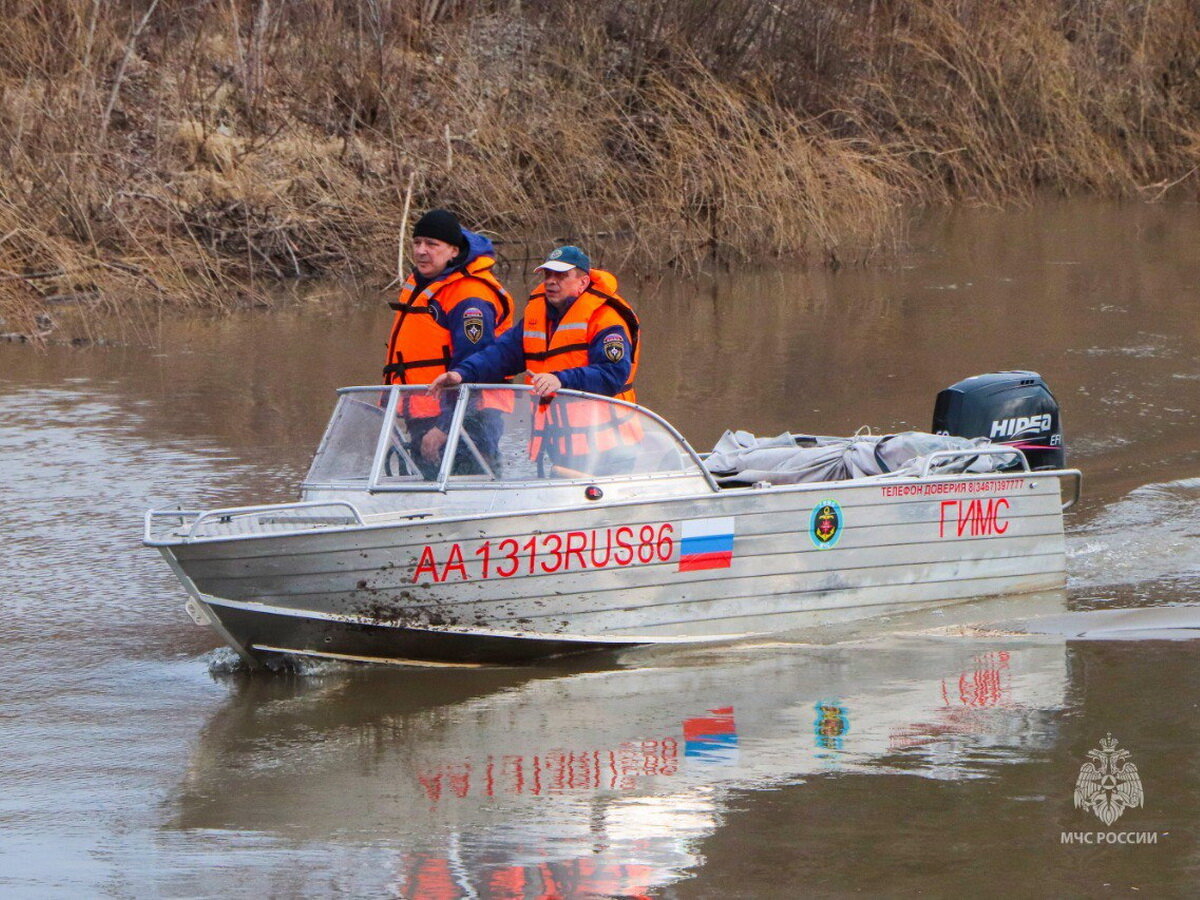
x=706, y=544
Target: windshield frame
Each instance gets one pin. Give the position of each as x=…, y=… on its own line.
x=375, y=483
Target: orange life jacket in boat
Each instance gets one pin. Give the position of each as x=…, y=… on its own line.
x=577, y=428
x=419, y=347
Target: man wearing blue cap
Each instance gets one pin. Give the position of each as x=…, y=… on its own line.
x=577, y=333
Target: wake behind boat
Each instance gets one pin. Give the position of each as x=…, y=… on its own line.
x=581, y=522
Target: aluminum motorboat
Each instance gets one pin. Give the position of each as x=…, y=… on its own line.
x=531, y=533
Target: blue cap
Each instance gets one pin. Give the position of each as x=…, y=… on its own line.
x=563, y=259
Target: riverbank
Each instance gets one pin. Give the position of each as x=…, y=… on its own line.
x=203, y=157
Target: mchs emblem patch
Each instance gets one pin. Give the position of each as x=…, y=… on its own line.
x=473, y=324
x=614, y=348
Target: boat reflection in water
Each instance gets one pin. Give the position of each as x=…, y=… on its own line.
x=577, y=781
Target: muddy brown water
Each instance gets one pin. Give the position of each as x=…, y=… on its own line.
x=135, y=760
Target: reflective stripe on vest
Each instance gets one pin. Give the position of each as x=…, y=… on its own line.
x=577, y=428
x=564, y=349
x=419, y=348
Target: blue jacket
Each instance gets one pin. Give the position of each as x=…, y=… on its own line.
x=506, y=357
x=461, y=346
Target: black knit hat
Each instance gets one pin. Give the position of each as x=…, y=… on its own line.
x=441, y=225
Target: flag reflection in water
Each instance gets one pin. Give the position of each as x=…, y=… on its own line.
x=712, y=738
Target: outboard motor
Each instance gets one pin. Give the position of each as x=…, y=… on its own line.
x=1014, y=408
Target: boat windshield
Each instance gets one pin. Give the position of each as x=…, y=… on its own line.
x=400, y=438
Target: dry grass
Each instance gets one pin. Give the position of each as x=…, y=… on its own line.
x=204, y=154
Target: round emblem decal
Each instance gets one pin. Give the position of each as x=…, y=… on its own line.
x=556, y=253
x=825, y=526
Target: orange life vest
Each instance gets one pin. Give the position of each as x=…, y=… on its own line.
x=576, y=428
x=419, y=348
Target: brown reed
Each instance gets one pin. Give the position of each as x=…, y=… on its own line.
x=201, y=155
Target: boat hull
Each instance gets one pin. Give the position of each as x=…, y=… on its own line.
x=516, y=587
x=265, y=632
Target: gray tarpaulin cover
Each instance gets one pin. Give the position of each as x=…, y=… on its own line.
x=740, y=457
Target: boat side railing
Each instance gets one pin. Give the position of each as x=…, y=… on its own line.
x=1075, y=475
x=943, y=455
x=278, y=513
x=1077, y=479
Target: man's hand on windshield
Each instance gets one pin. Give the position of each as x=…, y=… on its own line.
x=544, y=383
x=443, y=381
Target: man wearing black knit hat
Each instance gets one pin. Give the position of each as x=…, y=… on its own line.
x=451, y=306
